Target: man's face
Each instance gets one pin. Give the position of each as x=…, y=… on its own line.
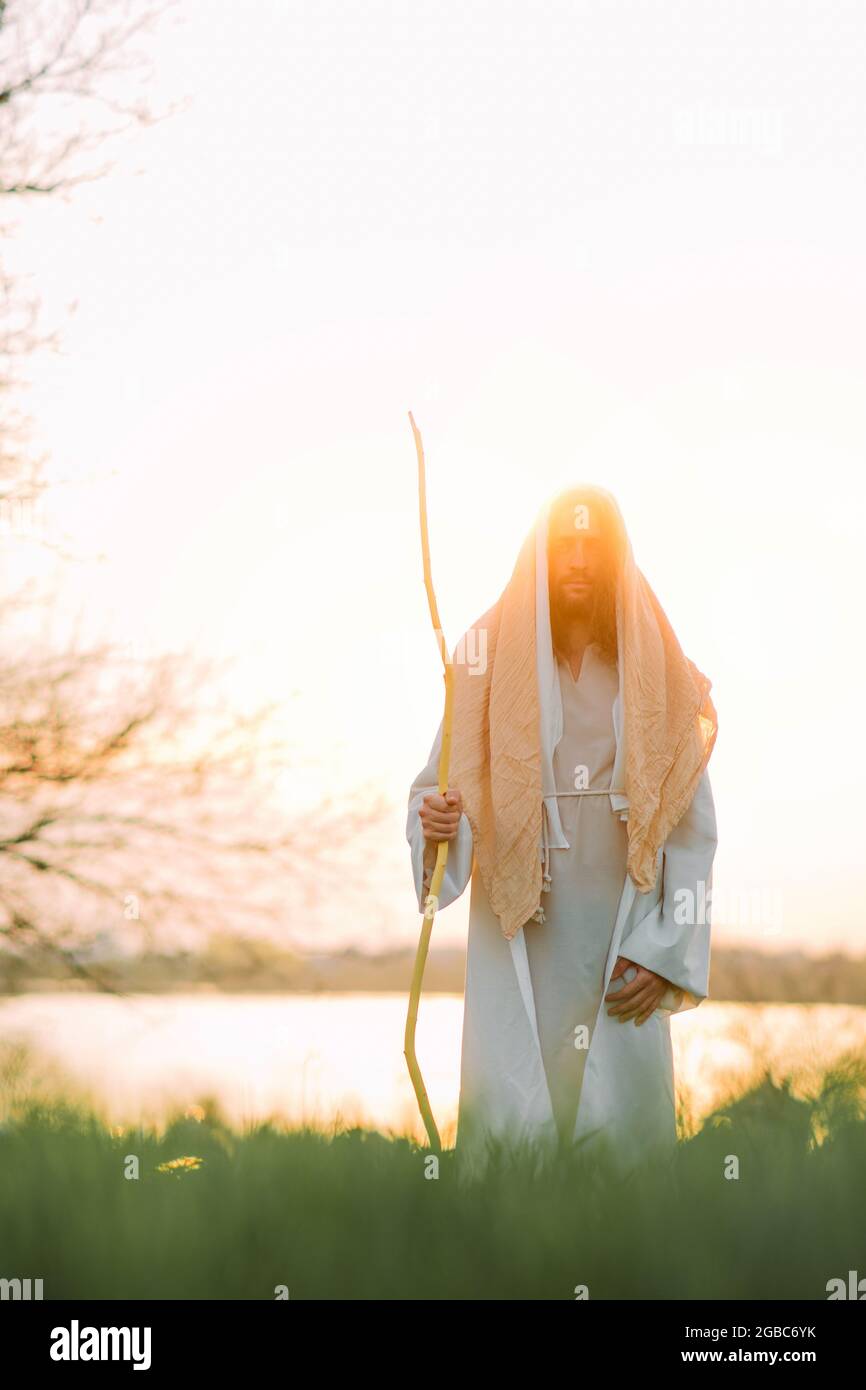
x=575, y=558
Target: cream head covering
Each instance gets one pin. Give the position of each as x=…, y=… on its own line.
x=508, y=722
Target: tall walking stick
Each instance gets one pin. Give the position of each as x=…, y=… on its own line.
x=432, y=900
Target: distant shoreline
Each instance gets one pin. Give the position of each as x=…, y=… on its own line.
x=255, y=966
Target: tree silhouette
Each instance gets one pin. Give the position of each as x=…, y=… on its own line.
x=128, y=795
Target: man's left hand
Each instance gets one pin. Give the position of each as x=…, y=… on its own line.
x=639, y=999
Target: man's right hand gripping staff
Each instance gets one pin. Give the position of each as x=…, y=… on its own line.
x=440, y=820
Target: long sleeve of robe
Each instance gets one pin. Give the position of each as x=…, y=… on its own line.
x=673, y=939
x=539, y=1050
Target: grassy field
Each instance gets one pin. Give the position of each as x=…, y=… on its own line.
x=351, y=1214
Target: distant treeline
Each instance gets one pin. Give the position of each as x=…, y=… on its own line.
x=233, y=963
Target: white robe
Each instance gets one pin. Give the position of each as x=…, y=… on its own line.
x=541, y=1056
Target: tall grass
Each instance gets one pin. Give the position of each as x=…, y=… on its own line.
x=351, y=1214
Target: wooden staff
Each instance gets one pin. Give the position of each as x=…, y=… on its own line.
x=432, y=900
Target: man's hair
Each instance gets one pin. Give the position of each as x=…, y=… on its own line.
x=603, y=614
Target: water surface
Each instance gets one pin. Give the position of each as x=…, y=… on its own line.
x=324, y=1058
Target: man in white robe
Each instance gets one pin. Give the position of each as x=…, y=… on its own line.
x=566, y=1034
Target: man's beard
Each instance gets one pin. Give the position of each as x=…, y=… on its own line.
x=568, y=606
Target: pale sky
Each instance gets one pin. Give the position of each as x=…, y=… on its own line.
x=616, y=242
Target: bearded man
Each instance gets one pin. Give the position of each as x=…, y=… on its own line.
x=579, y=806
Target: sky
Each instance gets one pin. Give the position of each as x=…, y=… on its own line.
x=618, y=243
